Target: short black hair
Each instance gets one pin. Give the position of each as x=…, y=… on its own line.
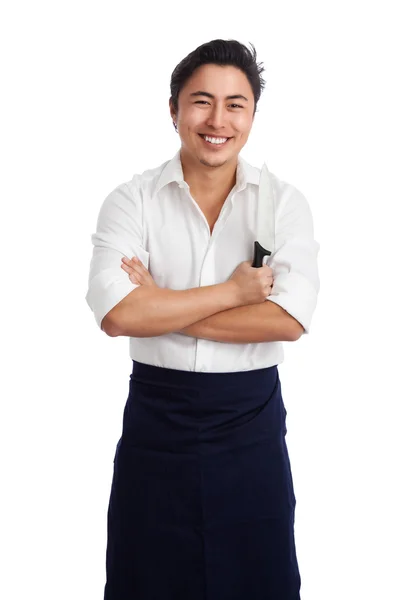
x=219, y=52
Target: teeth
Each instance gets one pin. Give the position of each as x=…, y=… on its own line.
x=215, y=140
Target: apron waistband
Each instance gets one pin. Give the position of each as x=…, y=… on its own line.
x=196, y=379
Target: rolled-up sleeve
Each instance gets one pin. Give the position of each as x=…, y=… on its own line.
x=294, y=261
x=119, y=232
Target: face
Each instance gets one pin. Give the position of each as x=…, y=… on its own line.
x=205, y=108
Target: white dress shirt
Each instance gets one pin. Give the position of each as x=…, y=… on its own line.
x=154, y=217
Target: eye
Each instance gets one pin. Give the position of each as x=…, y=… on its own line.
x=236, y=105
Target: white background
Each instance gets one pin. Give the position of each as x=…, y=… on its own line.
x=85, y=89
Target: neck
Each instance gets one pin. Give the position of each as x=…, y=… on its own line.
x=206, y=181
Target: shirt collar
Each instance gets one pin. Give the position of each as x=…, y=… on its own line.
x=172, y=171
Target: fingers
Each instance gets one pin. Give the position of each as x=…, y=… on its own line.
x=136, y=270
x=132, y=268
x=268, y=270
x=132, y=264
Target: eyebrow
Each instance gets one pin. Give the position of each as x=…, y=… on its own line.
x=234, y=96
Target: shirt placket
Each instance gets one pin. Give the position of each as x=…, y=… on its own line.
x=204, y=348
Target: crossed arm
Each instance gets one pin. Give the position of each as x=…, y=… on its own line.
x=264, y=322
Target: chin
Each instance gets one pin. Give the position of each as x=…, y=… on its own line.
x=215, y=163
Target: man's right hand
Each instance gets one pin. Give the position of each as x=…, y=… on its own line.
x=254, y=284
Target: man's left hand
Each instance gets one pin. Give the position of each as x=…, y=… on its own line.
x=138, y=274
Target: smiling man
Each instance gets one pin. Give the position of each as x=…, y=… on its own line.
x=202, y=500
x=213, y=128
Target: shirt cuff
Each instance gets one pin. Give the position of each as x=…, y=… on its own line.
x=106, y=291
x=295, y=294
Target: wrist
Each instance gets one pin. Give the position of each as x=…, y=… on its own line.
x=233, y=294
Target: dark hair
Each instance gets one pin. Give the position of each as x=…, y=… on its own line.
x=219, y=52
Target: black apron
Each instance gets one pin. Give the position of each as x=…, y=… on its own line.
x=202, y=501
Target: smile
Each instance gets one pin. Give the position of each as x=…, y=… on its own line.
x=216, y=142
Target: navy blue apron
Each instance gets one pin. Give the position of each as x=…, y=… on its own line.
x=202, y=501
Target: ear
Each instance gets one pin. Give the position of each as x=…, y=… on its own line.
x=171, y=111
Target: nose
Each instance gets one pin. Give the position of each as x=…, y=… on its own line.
x=216, y=117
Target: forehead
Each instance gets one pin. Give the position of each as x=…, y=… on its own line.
x=218, y=80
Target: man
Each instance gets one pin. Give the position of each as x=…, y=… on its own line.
x=202, y=501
